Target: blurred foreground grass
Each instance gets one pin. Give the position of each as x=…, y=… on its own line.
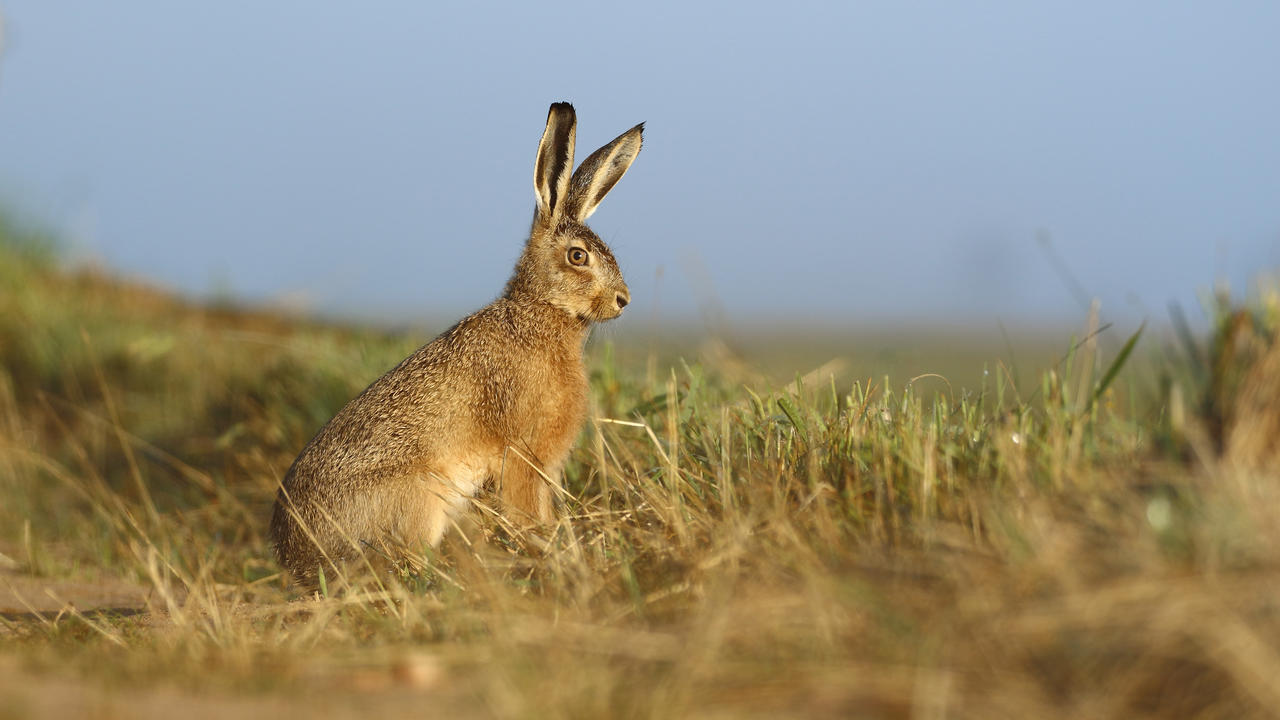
x=1046, y=542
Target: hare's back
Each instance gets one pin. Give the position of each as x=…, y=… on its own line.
x=392, y=423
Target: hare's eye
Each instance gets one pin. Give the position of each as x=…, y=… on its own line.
x=577, y=256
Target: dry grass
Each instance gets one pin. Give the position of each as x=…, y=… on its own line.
x=727, y=550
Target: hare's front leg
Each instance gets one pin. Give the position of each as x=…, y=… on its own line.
x=525, y=488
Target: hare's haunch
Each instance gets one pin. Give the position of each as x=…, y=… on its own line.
x=496, y=399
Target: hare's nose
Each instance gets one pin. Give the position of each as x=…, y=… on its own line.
x=622, y=300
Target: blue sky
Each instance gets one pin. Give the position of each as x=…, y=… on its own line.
x=846, y=161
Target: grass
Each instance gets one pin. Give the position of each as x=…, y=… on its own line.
x=1080, y=540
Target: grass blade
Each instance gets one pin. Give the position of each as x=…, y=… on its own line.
x=1116, y=365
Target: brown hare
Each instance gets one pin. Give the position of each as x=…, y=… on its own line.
x=497, y=399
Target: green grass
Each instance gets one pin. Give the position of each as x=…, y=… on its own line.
x=1057, y=541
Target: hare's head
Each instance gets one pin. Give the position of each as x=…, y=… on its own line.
x=565, y=263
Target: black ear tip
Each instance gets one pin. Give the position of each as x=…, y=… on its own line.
x=562, y=106
x=639, y=128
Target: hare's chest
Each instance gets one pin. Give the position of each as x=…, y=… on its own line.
x=558, y=406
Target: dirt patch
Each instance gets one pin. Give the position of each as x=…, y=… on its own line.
x=24, y=594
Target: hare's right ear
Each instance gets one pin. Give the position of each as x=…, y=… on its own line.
x=554, y=166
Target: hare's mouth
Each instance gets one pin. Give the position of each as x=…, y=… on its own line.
x=593, y=313
x=603, y=313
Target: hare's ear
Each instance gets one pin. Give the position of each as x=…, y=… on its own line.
x=553, y=168
x=601, y=171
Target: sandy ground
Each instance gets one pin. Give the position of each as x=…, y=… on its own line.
x=24, y=595
x=409, y=687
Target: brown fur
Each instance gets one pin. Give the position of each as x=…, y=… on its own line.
x=497, y=399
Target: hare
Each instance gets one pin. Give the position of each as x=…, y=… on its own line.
x=496, y=400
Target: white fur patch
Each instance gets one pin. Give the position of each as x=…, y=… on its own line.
x=450, y=489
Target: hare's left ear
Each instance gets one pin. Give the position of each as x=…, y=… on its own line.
x=554, y=166
x=601, y=171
